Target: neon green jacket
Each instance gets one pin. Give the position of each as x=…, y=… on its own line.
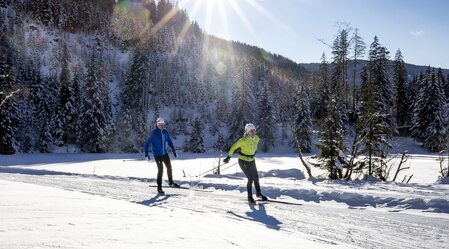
x=247, y=145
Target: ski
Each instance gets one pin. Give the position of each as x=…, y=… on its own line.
x=260, y=201
x=181, y=187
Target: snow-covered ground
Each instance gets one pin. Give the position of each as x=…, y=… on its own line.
x=109, y=201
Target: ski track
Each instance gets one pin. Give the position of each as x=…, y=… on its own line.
x=361, y=227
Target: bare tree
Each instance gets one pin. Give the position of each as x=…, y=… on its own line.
x=359, y=51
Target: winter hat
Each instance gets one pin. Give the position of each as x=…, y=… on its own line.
x=249, y=127
x=160, y=121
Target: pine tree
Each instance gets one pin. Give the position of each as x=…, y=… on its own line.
x=374, y=121
x=73, y=108
x=340, y=51
x=332, y=141
x=243, y=104
x=400, y=83
x=302, y=128
x=266, y=120
x=96, y=120
x=323, y=91
x=9, y=121
x=433, y=101
x=196, y=142
x=420, y=118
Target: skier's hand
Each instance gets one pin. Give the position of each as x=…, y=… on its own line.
x=226, y=160
x=174, y=154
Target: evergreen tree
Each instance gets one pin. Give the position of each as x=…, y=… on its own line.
x=219, y=143
x=266, y=120
x=323, y=91
x=64, y=111
x=340, y=51
x=302, y=128
x=73, y=108
x=374, y=121
x=96, y=120
x=400, y=82
x=332, y=141
x=243, y=104
x=196, y=142
x=420, y=117
x=9, y=120
x=433, y=103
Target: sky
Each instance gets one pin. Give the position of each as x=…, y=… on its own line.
x=294, y=28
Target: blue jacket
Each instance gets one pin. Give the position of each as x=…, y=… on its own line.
x=158, y=140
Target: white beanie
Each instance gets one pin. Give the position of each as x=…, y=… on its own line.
x=249, y=127
x=160, y=121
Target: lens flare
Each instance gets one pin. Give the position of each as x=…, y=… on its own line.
x=130, y=20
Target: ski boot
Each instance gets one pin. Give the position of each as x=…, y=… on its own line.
x=251, y=200
x=262, y=197
x=174, y=185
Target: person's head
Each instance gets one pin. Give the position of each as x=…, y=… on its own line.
x=250, y=130
x=160, y=123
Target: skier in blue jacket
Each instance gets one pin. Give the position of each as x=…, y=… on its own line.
x=158, y=139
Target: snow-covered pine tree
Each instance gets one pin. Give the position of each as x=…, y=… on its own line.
x=302, y=126
x=373, y=122
x=96, y=120
x=332, y=141
x=266, y=121
x=196, y=142
x=219, y=143
x=319, y=104
x=136, y=91
x=339, y=78
x=420, y=119
x=73, y=107
x=45, y=112
x=243, y=104
x=64, y=110
x=434, y=100
x=400, y=82
x=9, y=121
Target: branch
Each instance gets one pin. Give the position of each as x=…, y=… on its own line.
x=8, y=96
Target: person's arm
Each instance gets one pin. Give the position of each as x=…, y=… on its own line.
x=170, y=143
x=231, y=151
x=147, y=145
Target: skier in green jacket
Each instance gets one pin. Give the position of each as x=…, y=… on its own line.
x=248, y=147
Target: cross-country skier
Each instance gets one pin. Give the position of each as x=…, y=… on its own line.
x=248, y=147
x=158, y=139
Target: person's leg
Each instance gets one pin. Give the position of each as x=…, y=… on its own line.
x=160, y=171
x=167, y=163
x=249, y=185
x=252, y=169
x=255, y=176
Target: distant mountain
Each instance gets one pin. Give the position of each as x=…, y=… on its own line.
x=412, y=69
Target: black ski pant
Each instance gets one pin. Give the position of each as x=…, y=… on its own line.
x=165, y=159
x=250, y=171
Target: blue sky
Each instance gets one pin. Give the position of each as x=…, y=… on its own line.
x=292, y=28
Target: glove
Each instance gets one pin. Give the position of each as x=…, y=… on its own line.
x=174, y=154
x=148, y=158
x=226, y=160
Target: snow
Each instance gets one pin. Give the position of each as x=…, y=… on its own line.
x=107, y=201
